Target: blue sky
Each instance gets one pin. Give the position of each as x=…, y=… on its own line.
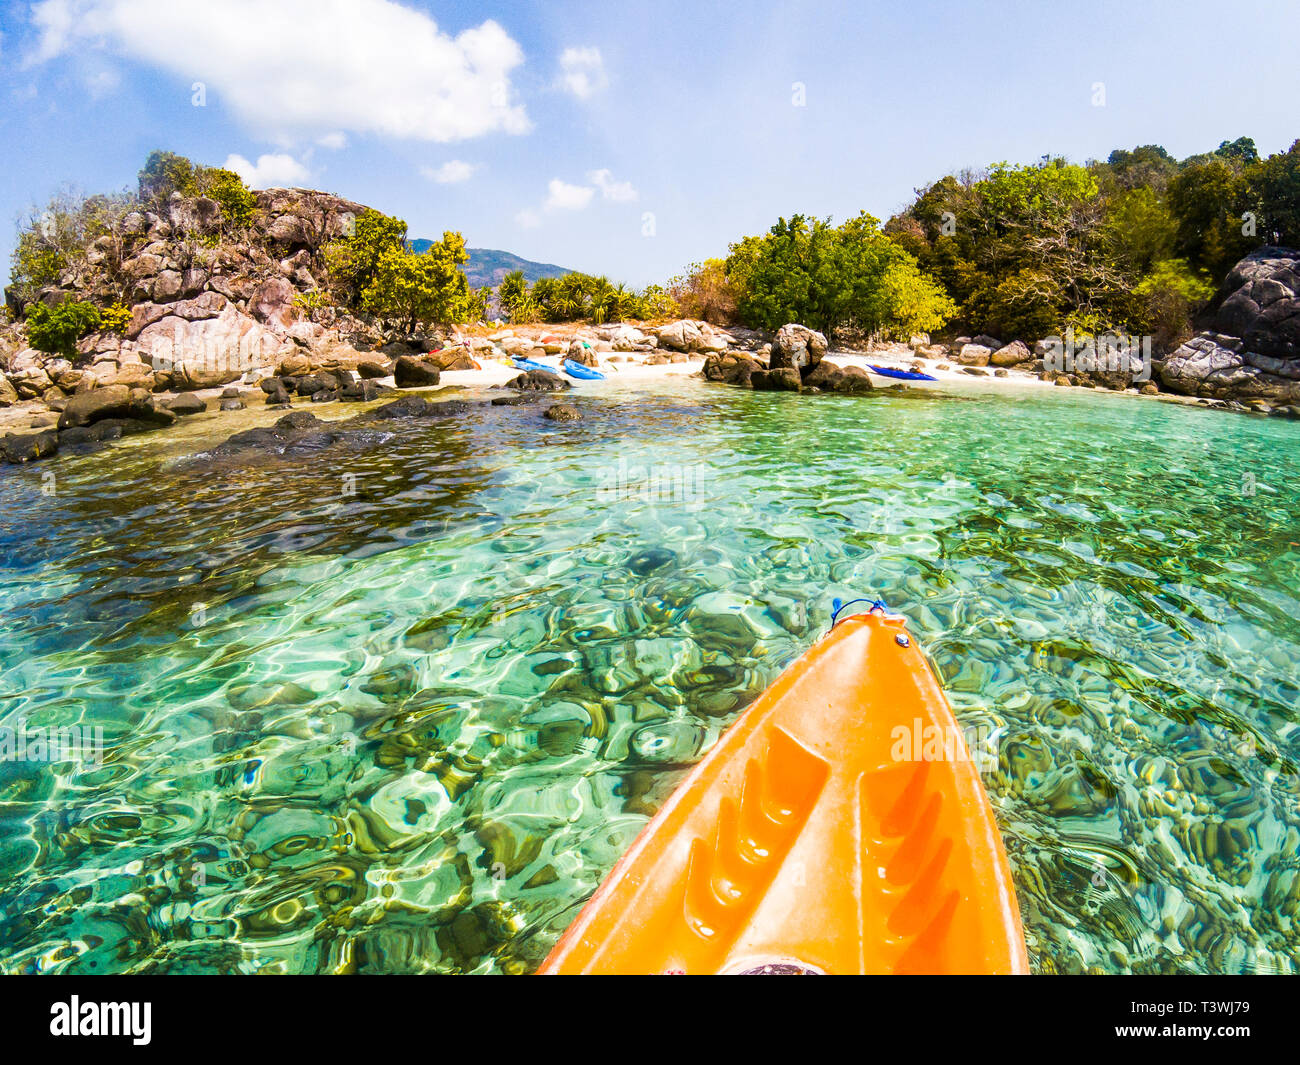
x=566, y=125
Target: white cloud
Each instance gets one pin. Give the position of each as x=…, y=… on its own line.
x=269, y=172
x=582, y=72
x=528, y=218
x=561, y=196
x=450, y=172
x=618, y=191
x=335, y=140
x=308, y=68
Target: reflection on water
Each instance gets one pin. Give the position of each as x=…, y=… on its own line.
x=398, y=705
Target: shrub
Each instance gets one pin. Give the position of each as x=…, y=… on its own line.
x=115, y=318
x=704, y=292
x=56, y=330
x=1171, y=294
x=226, y=187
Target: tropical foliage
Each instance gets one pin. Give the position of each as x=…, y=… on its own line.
x=1137, y=243
x=579, y=297
x=829, y=278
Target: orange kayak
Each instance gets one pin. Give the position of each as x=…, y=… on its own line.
x=839, y=826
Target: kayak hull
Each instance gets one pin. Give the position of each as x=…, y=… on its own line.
x=902, y=375
x=529, y=364
x=823, y=831
x=584, y=373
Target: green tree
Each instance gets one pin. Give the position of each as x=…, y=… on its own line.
x=164, y=173
x=1276, y=185
x=421, y=290
x=512, y=293
x=1208, y=199
x=354, y=260
x=830, y=277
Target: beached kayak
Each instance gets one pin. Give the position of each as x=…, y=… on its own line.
x=902, y=375
x=586, y=373
x=839, y=826
x=528, y=364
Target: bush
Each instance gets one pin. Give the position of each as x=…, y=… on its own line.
x=1171, y=294
x=56, y=330
x=704, y=292
x=115, y=318
x=226, y=187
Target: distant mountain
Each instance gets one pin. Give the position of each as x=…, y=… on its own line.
x=488, y=266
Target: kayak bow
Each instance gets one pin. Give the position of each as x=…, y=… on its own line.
x=818, y=837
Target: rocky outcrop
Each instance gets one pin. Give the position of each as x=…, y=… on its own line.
x=797, y=347
x=1253, y=351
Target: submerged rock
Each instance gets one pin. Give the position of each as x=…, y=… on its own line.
x=186, y=403
x=652, y=559
x=562, y=412
x=28, y=447
x=538, y=381
x=782, y=379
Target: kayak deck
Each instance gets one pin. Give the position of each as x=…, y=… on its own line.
x=818, y=834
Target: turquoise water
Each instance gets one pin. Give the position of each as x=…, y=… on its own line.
x=398, y=706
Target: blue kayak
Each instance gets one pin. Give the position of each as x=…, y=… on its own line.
x=586, y=373
x=528, y=364
x=902, y=375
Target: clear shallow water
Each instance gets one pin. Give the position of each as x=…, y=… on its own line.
x=411, y=728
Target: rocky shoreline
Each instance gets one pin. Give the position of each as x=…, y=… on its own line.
x=228, y=323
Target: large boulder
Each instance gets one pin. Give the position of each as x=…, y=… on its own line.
x=853, y=379
x=1012, y=354
x=629, y=338
x=1262, y=307
x=1253, y=352
x=731, y=368
x=830, y=378
x=410, y=372
x=8, y=394
x=797, y=347
x=112, y=401
x=683, y=335
x=974, y=355
x=457, y=358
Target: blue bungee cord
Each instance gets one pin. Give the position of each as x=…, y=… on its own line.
x=838, y=605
